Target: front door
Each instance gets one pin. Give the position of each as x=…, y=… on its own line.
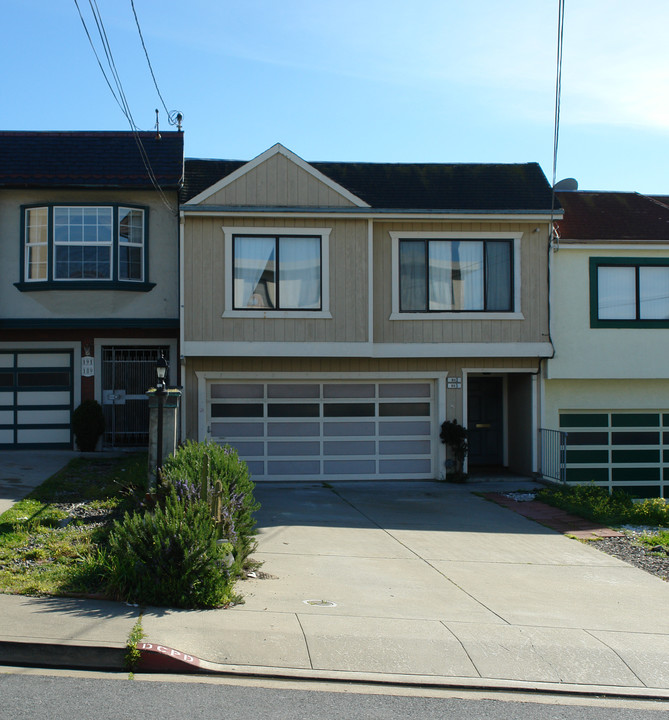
x=127, y=373
x=485, y=424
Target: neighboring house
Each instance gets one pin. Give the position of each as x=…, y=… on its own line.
x=335, y=314
x=608, y=385
x=88, y=279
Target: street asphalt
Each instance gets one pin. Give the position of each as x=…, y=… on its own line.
x=422, y=583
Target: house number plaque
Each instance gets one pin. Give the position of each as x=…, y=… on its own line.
x=87, y=366
x=454, y=383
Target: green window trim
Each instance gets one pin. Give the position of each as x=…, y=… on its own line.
x=635, y=262
x=126, y=251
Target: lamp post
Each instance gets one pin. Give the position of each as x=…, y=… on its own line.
x=161, y=392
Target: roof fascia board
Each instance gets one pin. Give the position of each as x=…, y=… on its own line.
x=614, y=245
x=277, y=149
x=355, y=214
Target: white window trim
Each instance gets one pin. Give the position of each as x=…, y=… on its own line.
x=230, y=312
x=395, y=314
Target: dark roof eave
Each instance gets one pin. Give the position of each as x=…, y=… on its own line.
x=185, y=207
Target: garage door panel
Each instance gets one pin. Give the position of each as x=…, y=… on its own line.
x=294, y=467
x=336, y=430
x=58, y=397
x=348, y=429
x=404, y=428
x=40, y=360
x=43, y=436
x=293, y=429
x=293, y=448
x=350, y=448
x=43, y=417
x=350, y=467
x=223, y=429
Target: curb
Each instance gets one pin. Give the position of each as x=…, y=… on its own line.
x=160, y=659
x=55, y=655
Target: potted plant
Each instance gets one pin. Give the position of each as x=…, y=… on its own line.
x=454, y=436
x=88, y=423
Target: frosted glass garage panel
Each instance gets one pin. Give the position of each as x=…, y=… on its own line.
x=293, y=391
x=256, y=468
x=6, y=437
x=403, y=428
x=7, y=398
x=295, y=429
x=349, y=448
x=249, y=449
x=354, y=390
x=348, y=429
x=404, y=447
x=43, y=417
x=237, y=391
x=349, y=467
x=6, y=361
x=43, y=398
x=405, y=390
x=293, y=467
x=241, y=430
x=54, y=435
x=293, y=448
x=404, y=467
x=6, y=417
x=31, y=360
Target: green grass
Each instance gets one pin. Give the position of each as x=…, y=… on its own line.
x=41, y=552
x=595, y=503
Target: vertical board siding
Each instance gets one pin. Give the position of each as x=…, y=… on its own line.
x=205, y=275
x=278, y=182
x=533, y=279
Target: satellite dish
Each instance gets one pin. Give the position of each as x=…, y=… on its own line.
x=566, y=185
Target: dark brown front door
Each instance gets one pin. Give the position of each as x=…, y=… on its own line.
x=485, y=420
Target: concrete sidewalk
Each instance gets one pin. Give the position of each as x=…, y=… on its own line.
x=421, y=583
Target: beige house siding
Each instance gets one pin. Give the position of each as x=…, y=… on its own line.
x=205, y=274
x=533, y=301
x=278, y=182
x=162, y=243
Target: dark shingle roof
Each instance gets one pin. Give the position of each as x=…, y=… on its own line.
x=413, y=186
x=89, y=159
x=613, y=216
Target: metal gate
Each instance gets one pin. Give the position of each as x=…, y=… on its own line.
x=127, y=373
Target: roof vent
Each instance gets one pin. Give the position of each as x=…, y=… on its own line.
x=566, y=185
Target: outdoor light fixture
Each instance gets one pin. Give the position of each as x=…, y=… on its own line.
x=161, y=373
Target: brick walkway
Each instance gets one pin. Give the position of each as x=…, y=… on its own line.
x=554, y=518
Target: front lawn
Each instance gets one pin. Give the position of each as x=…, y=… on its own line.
x=52, y=542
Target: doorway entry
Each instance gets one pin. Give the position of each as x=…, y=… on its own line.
x=485, y=420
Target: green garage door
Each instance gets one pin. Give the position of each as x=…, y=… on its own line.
x=629, y=450
x=36, y=399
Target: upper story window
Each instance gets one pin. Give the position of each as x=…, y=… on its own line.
x=73, y=245
x=277, y=272
x=629, y=292
x=455, y=275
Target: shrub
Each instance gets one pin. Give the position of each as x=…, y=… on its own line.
x=88, y=423
x=169, y=556
x=183, y=471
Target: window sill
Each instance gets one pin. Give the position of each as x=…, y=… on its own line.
x=41, y=285
x=457, y=316
x=279, y=314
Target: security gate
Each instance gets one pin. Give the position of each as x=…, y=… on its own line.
x=127, y=373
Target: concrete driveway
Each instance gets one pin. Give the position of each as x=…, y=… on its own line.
x=429, y=580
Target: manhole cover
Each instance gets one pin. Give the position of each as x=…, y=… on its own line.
x=320, y=603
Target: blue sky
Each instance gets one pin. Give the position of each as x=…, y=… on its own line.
x=363, y=80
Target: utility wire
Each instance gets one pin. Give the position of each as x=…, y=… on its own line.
x=556, y=125
x=170, y=118
x=121, y=98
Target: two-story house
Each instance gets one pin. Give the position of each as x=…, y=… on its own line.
x=334, y=314
x=88, y=279
x=608, y=385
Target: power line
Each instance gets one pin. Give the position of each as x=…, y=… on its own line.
x=170, y=115
x=556, y=123
x=121, y=99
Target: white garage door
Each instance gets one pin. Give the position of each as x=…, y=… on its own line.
x=361, y=430
x=36, y=396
